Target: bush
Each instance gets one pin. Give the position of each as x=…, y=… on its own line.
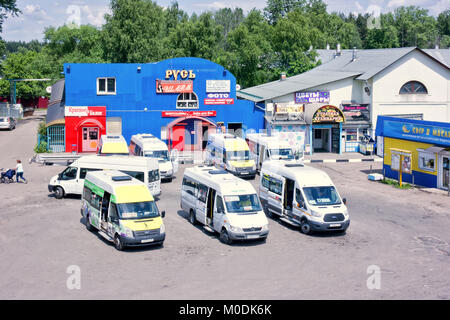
x=42, y=130
x=41, y=148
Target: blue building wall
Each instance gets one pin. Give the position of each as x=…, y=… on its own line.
x=421, y=179
x=136, y=91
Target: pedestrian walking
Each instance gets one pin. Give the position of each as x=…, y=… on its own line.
x=19, y=171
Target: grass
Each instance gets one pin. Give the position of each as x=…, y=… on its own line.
x=395, y=183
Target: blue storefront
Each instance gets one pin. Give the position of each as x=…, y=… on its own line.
x=179, y=100
x=420, y=148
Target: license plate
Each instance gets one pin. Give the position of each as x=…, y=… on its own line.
x=253, y=236
x=244, y=172
x=334, y=225
x=147, y=240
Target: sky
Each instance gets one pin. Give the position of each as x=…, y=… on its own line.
x=37, y=15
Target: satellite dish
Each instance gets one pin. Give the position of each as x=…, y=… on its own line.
x=48, y=89
x=238, y=87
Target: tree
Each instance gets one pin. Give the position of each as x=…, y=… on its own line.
x=7, y=7
x=277, y=9
x=133, y=32
x=443, y=25
x=229, y=19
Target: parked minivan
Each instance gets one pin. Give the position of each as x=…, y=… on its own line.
x=121, y=209
x=302, y=196
x=71, y=180
x=112, y=145
x=230, y=153
x=147, y=145
x=263, y=147
x=223, y=203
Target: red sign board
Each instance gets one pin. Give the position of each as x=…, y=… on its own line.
x=85, y=111
x=219, y=101
x=172, y=86
x=176, y=114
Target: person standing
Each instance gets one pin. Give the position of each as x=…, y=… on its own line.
x=19, y=171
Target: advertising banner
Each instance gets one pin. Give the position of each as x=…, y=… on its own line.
x=312, y=97
x=85, y=111
x=174, y=86
x=177, y=114
x=221, y=86
x=421, y=133
x=328, y=114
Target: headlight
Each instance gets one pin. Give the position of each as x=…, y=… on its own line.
x=265, y=227
x=316, y=214
x=254, y=167
x=129, y=233
x=162, y=229
x=346, y=213
x=236, y=229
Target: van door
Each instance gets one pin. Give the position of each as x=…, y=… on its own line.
x=210, y=207
x=219, y=214
x=276, y=193
x=299, y=205
x=69, y=181
x=288, y=196
x=113, y=220
x=104, y=208
x=262, y=155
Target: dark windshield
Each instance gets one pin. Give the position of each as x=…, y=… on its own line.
x=321, y=196
x=238, y=155
x=158, y=154
x=242, y=203
x=281, y=154
x=138, y=210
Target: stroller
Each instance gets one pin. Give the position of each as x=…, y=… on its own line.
x=8, y=176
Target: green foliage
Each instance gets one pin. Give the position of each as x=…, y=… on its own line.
x=7, y=7
x=42, y=130
x=41, y=148
x=396, y=184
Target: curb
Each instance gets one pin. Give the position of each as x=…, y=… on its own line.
x=342, y=160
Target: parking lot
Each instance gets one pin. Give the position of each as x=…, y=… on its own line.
x=403, y=232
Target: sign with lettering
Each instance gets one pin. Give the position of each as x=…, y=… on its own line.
x=423, y=133
x=84, y=111
x=328, y=113
x=174, y=86
x=180, y=74
x=219, y=101
x=177, y=114
x=289, y=108
x=220, y=86
x=312, y=97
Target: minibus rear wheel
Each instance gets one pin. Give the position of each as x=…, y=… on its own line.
x=89, y=226
x=192, y=218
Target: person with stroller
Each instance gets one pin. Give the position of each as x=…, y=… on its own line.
x=19, y=171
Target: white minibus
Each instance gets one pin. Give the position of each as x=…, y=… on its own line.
x=147, y=145
x=263, y=147
x=230, y=153
x=71, y=180
x=302, y=196
x=112, y=145
x=223, y=203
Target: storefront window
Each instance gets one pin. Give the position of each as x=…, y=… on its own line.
x=106, y=85
x=187, y=100
x=427, y=161
x=351, y=134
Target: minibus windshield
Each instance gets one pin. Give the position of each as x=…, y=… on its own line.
x=241, y=155
x=242, y=204
x=322, y=196
x=158, y=154
x=276, y=154
x=137, y=210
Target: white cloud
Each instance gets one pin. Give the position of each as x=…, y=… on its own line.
x=94, y=16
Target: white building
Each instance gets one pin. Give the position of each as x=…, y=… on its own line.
x=357, y=86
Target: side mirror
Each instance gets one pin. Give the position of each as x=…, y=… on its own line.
x=163, y=214
x=344, y=201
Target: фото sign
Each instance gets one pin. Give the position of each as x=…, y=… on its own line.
x=422, y=133
x=218, y=86
x=312, y=97
x=85, y=111
x=174, y=86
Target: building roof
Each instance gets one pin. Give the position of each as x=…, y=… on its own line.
x=442, y=55
x=367, y=64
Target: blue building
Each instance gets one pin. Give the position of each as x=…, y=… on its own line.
x=420, y=148
x=179, y=100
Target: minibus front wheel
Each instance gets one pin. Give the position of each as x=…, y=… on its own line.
x=118, y=243
x=224, y=237
x=59, y=193
x=305, y=228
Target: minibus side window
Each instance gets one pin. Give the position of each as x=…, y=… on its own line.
x=202, y=192
x=189, y=186
x=219, y=205
x=69, y=174
x=153, y=176
x=113, y=216
x=84, y=171
x=299, y=198
x=265, y=181
x=276, y=186
x=87, y=194
x=96, y=200
x=135, y=174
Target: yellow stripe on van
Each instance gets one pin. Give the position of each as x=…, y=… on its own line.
x=141, y=225
x=114, y=147
x=130, y=194
x=236, y=145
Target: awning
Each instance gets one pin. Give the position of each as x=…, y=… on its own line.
x=434, y=149
x=55, y=114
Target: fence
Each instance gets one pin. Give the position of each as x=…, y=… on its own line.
x=56, y=138
x=7, y=110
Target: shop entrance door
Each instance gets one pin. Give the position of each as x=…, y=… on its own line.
x=321, y=141
x=90, y=138
x=178, y=140
x=445, y=172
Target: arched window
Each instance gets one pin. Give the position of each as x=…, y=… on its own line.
x=413, y=87
x=187, y=100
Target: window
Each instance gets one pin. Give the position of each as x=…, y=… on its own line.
x=153, y=175
x=351, y=134
x=84, y=171
x=299, y=197
x=274, y=185
x=187, y=100
x=413, y=87
x=135, y=174
x=106, y=85
x=189, y=186
x=427, y=161
x=113, y=215
x=69, y=174
x=219, y=205
x=202, y=192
